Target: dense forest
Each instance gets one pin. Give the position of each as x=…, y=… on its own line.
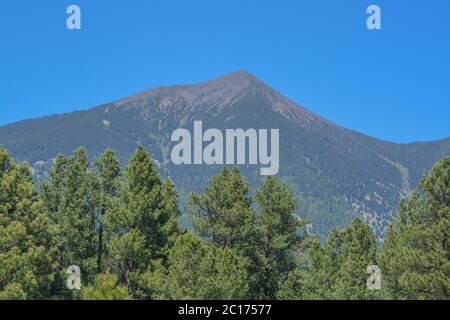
x=121, y=229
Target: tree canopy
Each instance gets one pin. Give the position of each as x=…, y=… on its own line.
x=121, y=227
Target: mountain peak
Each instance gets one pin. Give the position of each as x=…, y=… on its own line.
x=218, y=94
x=240, y=75
x=232, y=82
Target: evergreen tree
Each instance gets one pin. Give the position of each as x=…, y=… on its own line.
x=277, y=236
x=52, y=190
x=222, y=214
x=415, y=256
x=79, y=216
x=71, y=198
x=144, y=222
x=359, y=252
x=315, y=278
x=105, y=287
x=337, y=269
x=27, y=236
x=127, y=225
x=197, y=270
x=107, y=181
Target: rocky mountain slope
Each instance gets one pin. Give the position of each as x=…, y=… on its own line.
x=337, y=173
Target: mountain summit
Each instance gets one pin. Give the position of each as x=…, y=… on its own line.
x=216, y=95
x=337, y=173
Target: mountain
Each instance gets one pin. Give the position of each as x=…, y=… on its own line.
x=337, y=173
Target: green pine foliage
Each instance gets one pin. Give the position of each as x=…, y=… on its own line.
x=107, y=183
x=27, y=236
x=105, y=287
x=121, y=227
x=337, y=269
x=277, y=239
x=198, y=270
x=222, y=214
x=142, y=224
x=415, y=256
x=71, y=200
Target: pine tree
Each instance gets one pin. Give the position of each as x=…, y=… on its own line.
x=222, y=214
x=315, y=277
x=52, y=190
x=79, y=213
x=415, y=256
x=337, y=269
x=326, y=263
x=277, y=236
x=359, y=252
x=27, y=234
x=198, y=270
x=71, y=198
x=143, y=224
x=107, y=181
x=105, y=287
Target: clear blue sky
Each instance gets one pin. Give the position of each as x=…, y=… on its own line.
x=393, y=84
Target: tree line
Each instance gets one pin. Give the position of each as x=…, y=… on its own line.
x=121, y=228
